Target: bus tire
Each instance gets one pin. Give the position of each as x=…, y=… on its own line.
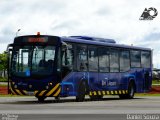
x=81, y=92
x=41, y=98
x=57, y=98
x=131, y=91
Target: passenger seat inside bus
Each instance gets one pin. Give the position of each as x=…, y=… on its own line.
x=42, y=63
x=50, y=64
x=47, y=64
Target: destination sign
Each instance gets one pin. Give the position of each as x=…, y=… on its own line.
x=34, y=39
x=39, y=40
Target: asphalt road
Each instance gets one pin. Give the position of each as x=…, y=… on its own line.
x=67, y=108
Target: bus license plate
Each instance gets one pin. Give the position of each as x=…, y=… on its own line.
x=30, y=93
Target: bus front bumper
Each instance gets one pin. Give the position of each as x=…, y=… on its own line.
x=51, y=92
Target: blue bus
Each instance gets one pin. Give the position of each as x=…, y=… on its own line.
x=52, y=66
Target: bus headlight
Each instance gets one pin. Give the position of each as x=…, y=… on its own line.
x=50, y=84
x=30, y=86
x=47, y=87
x=15, y=86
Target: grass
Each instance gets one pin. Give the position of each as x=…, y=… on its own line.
x=3, y=85
x=146, y=94
x=156, y=82
x=3, y=79
x=9, y=95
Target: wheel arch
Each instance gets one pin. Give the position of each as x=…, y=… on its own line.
x=132, y=80
x=86, y=82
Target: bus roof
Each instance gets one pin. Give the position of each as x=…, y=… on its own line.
x=99, y=41
x=82, y=40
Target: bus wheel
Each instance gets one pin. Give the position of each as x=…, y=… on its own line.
x=81, y=92
x=131, y=91
x=57, y=98
x=99, y=97
x=41, y=99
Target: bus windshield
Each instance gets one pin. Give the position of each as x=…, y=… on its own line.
x=33, y=60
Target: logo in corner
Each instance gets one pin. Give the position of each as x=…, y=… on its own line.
x=149, y=14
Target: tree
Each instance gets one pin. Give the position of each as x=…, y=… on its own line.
x=3, y=62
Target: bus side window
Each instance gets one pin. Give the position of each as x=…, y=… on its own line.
x=82, y=63
x=135, y=58
x=92, y=58
x=114, y=60
x=146, y=59
x=124, y=61
x=103, y=59
x=67, y=60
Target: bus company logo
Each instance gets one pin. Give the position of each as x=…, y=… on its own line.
x=149, y=14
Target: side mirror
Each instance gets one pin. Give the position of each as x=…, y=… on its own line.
x=6, y=52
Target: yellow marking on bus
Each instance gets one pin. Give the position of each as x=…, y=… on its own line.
x=95, y=93
x=57, y=93
x=112, y=92
x=41, y=94
x=116, y=92
x=35, y=92
x=50, y=92
x=25, y=91
x=126, y=91
x=18, y=92
x=120, y=92
x=103, y=92
x=90, y=93
x=107, y=92
x=123, y=91
x=12, y=83
x=12, y=91
x=99, y=92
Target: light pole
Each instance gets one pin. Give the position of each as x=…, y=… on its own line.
x=17, y=32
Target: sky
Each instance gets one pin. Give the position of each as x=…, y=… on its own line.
x=114, y=19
